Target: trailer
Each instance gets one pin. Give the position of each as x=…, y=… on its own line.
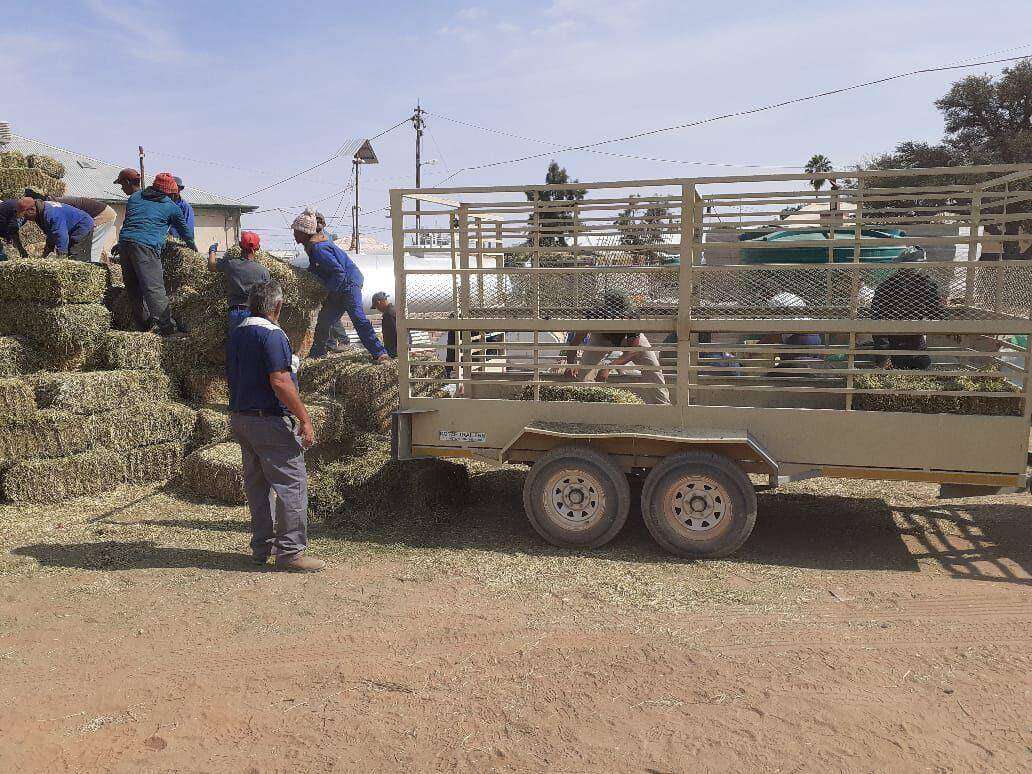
x=748, y=373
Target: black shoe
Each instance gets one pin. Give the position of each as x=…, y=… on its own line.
x=260, y=559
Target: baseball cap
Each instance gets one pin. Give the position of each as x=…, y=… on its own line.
x=250, y=240
x=127, y=175
x=377, y=298
x=179, y=182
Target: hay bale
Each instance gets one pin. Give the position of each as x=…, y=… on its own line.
x=12, y=158
x=44, y=434
x=52, y=480
x=369, y=488
x=17, y=399
x=133, y=427
x=14, y=181
x=206, y=384
x=160, y=462
x=133, y=350
x=117, y=301
x=17, y=356
x=581, y=393
x=52, y=281
x=67, y=335
x=212, y=426
x=92, y=392
x=45, y=164
x=899, y=383
x=215, y=473
x=183, y=266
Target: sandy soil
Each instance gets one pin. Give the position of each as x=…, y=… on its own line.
x=853, y=633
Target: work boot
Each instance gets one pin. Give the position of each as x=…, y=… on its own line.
x=260, y=559
x=299, y=563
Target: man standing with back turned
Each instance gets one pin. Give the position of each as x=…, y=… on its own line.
x=273, y=428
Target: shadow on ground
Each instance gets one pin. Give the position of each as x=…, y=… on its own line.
x=132, y=555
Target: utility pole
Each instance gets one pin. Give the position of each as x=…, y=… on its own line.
x=418, y=122
x=143, y=180
x=354, y=211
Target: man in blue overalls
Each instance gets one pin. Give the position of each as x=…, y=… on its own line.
x=343, y=282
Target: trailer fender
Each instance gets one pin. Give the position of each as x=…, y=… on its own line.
x=639, y=442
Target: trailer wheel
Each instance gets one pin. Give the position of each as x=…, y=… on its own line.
x=699, y=504
x=576, y=497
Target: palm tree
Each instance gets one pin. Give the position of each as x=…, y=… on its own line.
x=817, y=164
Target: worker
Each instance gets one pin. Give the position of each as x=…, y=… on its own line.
x=388, y=322
x=9, y=228
x=780, y=303
x=907, y=294
x=148, y=215
x=617, y=305
x=129, y=181
x=239, y=275
x=340, y=341
x=343, y=282
x=273, y=428
x=183, y=204
x=69, y=230
x=103, y=218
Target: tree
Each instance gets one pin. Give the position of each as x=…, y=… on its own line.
x=554, y=224
x=817, y=164
x=649, y=228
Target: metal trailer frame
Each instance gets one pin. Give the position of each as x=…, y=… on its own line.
x=503, y=278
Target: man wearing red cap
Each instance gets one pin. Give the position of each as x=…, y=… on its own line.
x=148, y=216
x=240, y=272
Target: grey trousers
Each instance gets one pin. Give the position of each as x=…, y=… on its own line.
x=274, y=466
x=144, y=277
x=647, y=358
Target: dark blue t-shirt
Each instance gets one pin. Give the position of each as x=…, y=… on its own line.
x=256, y=349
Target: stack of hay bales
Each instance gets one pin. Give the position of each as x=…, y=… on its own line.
x=66, y=432
x=899, y=386
x=582, y=393
x=18, y=172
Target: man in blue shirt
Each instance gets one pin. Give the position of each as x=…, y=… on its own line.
x=273, y=428
x=148, y=216
x=343, y=282
x=69, y=230
x=184, y=205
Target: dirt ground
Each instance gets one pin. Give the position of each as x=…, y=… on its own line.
x=864, y=627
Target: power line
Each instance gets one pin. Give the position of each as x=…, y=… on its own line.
x=736, y=114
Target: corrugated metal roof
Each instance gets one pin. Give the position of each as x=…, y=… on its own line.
x=90, y=177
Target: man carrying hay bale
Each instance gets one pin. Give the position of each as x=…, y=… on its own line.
x=343, y=282
x=273, y=428
x=239, y=275
x=148, y=216
x=68, y=229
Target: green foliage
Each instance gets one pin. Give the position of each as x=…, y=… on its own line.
x=554, y=224
x=817, y=164
x=643, y=226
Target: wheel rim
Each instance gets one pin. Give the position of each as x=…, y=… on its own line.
x=575, y=499
x=697, y=504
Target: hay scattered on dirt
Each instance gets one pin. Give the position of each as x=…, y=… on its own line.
x=369, y=487
x=92, y=392
x=215, y=473
x=52, y=281
x=17, y=399
x=583, y=393
x=45, y=481
x=901, y=382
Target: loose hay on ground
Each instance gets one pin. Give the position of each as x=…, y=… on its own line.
x=215, y=473
x=52, y=281
x=583, y=393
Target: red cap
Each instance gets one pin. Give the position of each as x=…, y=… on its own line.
x=249, y=240
x=164, y=182
x=127, y=175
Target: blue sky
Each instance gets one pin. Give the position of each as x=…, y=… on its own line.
x=264, y=89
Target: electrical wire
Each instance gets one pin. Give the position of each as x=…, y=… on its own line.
x=735, y=114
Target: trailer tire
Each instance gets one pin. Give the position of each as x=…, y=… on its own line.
x=576, y=497
x=699, y=504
